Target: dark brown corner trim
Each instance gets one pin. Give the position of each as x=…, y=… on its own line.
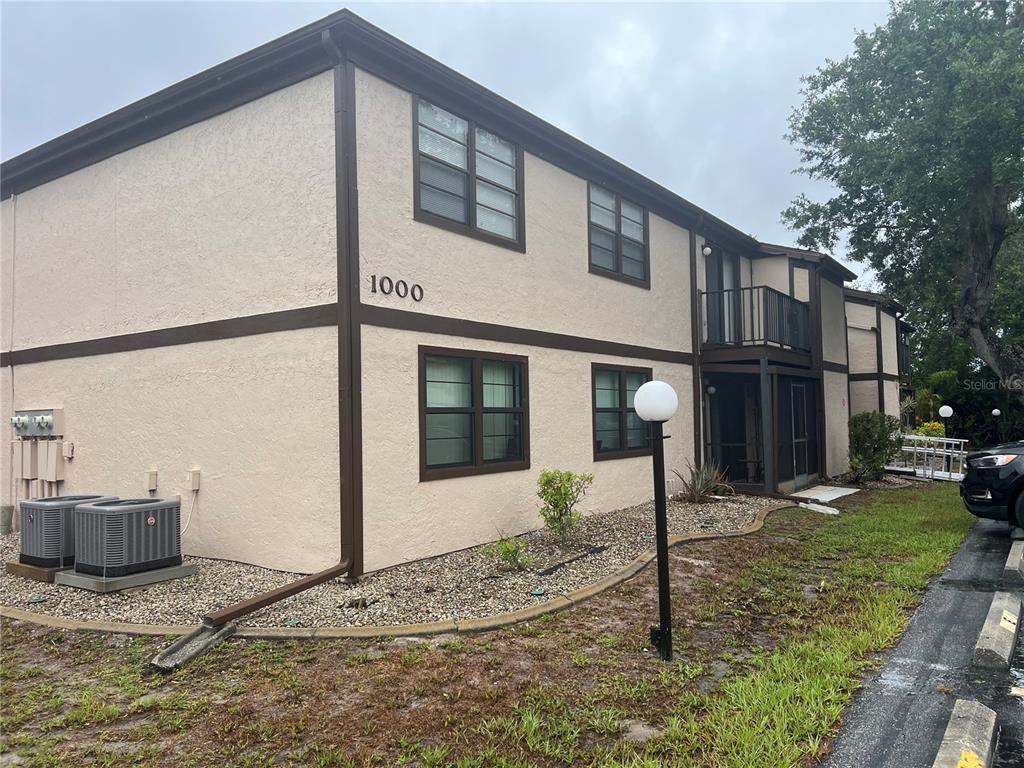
x=698, y=385
x=213, y=330
x=350, y=433
x=400, y=319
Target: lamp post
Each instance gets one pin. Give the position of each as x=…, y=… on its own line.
x=945, y=412
x=656, y=402
x=999, y=432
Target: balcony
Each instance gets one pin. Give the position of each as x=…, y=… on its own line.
x=752, y=317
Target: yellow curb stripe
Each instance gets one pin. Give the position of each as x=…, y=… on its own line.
x=461, y=626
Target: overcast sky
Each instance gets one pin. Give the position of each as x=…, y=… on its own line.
x=695, y=96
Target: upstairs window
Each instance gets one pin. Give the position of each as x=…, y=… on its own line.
x=467, y=179
x=618, y=431
x=618, y=237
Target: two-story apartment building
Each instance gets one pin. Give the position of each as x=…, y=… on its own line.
x=879, y=352
x=370, y=300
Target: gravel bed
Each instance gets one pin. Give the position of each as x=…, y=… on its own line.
x=460, y=585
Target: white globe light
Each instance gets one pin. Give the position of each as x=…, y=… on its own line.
x=655, y=401
x=706, y=250
x=996, y=412
x=945, y=411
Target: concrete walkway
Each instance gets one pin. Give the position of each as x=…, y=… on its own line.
x=898, y=718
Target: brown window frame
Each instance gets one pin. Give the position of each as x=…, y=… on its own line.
x=622, y=370
x=618, y=274
x=479, y=466
x=469, y=229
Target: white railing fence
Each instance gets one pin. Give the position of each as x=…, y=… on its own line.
x=936, y=458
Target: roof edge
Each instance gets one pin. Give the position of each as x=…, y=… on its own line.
x=874, y=298
x=300, y=54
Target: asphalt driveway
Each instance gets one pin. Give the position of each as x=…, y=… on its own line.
x=898, y=718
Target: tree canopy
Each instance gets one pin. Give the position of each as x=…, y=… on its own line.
x=921, y=132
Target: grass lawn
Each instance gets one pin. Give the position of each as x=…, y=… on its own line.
x=772, y=634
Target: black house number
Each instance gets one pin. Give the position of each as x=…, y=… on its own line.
x=400, y=288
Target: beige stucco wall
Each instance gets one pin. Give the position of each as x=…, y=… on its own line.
x=891, y=393
x=860, y=315
x=890, y=364
x=466, y=278
x=833, y=322
x=258, y=416
x=837, y=417
x=863, y=349
x=863, y=396
x=802, y=283
x=772, y=271
x=405, y=519
x=231, y=216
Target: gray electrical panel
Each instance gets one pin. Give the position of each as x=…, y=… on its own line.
x=44, y=422
x=48, y=529
x=116, y=538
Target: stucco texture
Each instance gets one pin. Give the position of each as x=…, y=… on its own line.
x=863, y=396
x=863, y=349
x=228, y=217
x=258, y=416
x=772, y=271
x=837, y=417
x=466, y=278
x=891, y=393
x=890, y=363
x=405, y=519
x=833, y=322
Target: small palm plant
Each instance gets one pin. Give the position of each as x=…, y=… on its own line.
x=705, y=481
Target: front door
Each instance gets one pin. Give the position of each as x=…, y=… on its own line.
x=800, y=420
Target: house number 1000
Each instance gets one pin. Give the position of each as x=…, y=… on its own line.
x=400, y=288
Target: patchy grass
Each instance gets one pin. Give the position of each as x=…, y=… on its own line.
x=771, y=639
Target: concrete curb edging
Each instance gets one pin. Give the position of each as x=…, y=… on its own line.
x=1013, y=571
x=998, y=636
x=456, y=626
x=970, y=737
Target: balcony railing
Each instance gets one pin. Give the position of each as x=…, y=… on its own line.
x=753, y=316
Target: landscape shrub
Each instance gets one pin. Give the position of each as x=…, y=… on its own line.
x=930, y=429
x=510, y=551
x=561, y=490
x=875, y=440
x=705, y=481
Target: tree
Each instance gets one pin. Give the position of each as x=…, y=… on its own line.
x=921, y=131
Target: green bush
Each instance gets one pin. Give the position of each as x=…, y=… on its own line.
x=930, y=429
x=706, y=480
x=875, y=440
x=561, y=490
x=510, y=551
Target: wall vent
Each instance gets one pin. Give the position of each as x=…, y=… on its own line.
x=116, y=538
x=48, y=529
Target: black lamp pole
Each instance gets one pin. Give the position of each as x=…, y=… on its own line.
x=661, y=636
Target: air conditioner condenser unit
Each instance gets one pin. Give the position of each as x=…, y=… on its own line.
x=48, y=529
x=125, y=536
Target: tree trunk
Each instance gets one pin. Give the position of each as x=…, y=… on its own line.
x=982, y=234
